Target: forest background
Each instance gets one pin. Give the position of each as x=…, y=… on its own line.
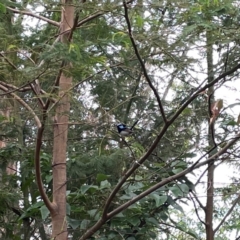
x=70, y=71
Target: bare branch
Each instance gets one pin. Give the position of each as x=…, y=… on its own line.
x=27, y=12
x=196, y=210
x=16, y=89
x=91, y=17
x=142, y=63
x=200, y=204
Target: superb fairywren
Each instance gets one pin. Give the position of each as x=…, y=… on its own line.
x=124, y=130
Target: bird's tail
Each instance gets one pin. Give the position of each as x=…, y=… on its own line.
x=134, y=124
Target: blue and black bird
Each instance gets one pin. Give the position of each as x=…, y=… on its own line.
x=124, y=130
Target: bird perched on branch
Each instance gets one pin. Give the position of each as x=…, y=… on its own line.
x=124, y=130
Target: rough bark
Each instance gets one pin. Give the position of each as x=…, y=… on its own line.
x=59, y=226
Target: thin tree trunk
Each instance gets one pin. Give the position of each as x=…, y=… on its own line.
x=59, y=226
x=211, y=166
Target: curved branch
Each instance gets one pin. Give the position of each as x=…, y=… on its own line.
x=27, y=12
x=51, y=206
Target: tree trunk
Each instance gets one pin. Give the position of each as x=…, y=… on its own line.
x=211, y=165
x=59, y=226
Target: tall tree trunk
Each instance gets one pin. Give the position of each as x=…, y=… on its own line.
x=211, y=165
x=59, y=226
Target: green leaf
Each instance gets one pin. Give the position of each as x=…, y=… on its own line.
x=93, y=213
x=74, y=223
x=178, y=207
x=131, y=238
x=163, y=216
x=2, y=8
x=68, y=208
x=139, y=21
x=112, y=235
x=48, y=178
x=177, y=170
x=159, y=200
x=131, y=195
x=85, y=188
x=101, y=177
x=184, y=187
x=118, y=34
x=135, y=221
x=120, y=215
x=192, y=233
x=84, y=224
x=44, y=212
x=36, y=205
x=152, y=234
x=152, y=220
x=105, y=184
x=176, y=191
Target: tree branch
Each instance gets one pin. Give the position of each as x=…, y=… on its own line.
x=51, y=206
x=195, y=207
x=174, y=177
x=19, y=89
x=159, y=137
x=24, y=104
x=95, y=15
x=142, y=63
x=196, y=165
x=27, y=12
x=38, y=147
x=199, y=203
x=227, y=214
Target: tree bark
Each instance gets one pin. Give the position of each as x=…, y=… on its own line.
x=211, y=165
x=59, y=224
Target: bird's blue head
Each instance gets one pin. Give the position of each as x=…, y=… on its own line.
x=123, y=129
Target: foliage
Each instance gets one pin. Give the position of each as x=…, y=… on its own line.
x=110, y=85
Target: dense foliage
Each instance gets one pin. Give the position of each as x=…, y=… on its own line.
x=146, y=60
